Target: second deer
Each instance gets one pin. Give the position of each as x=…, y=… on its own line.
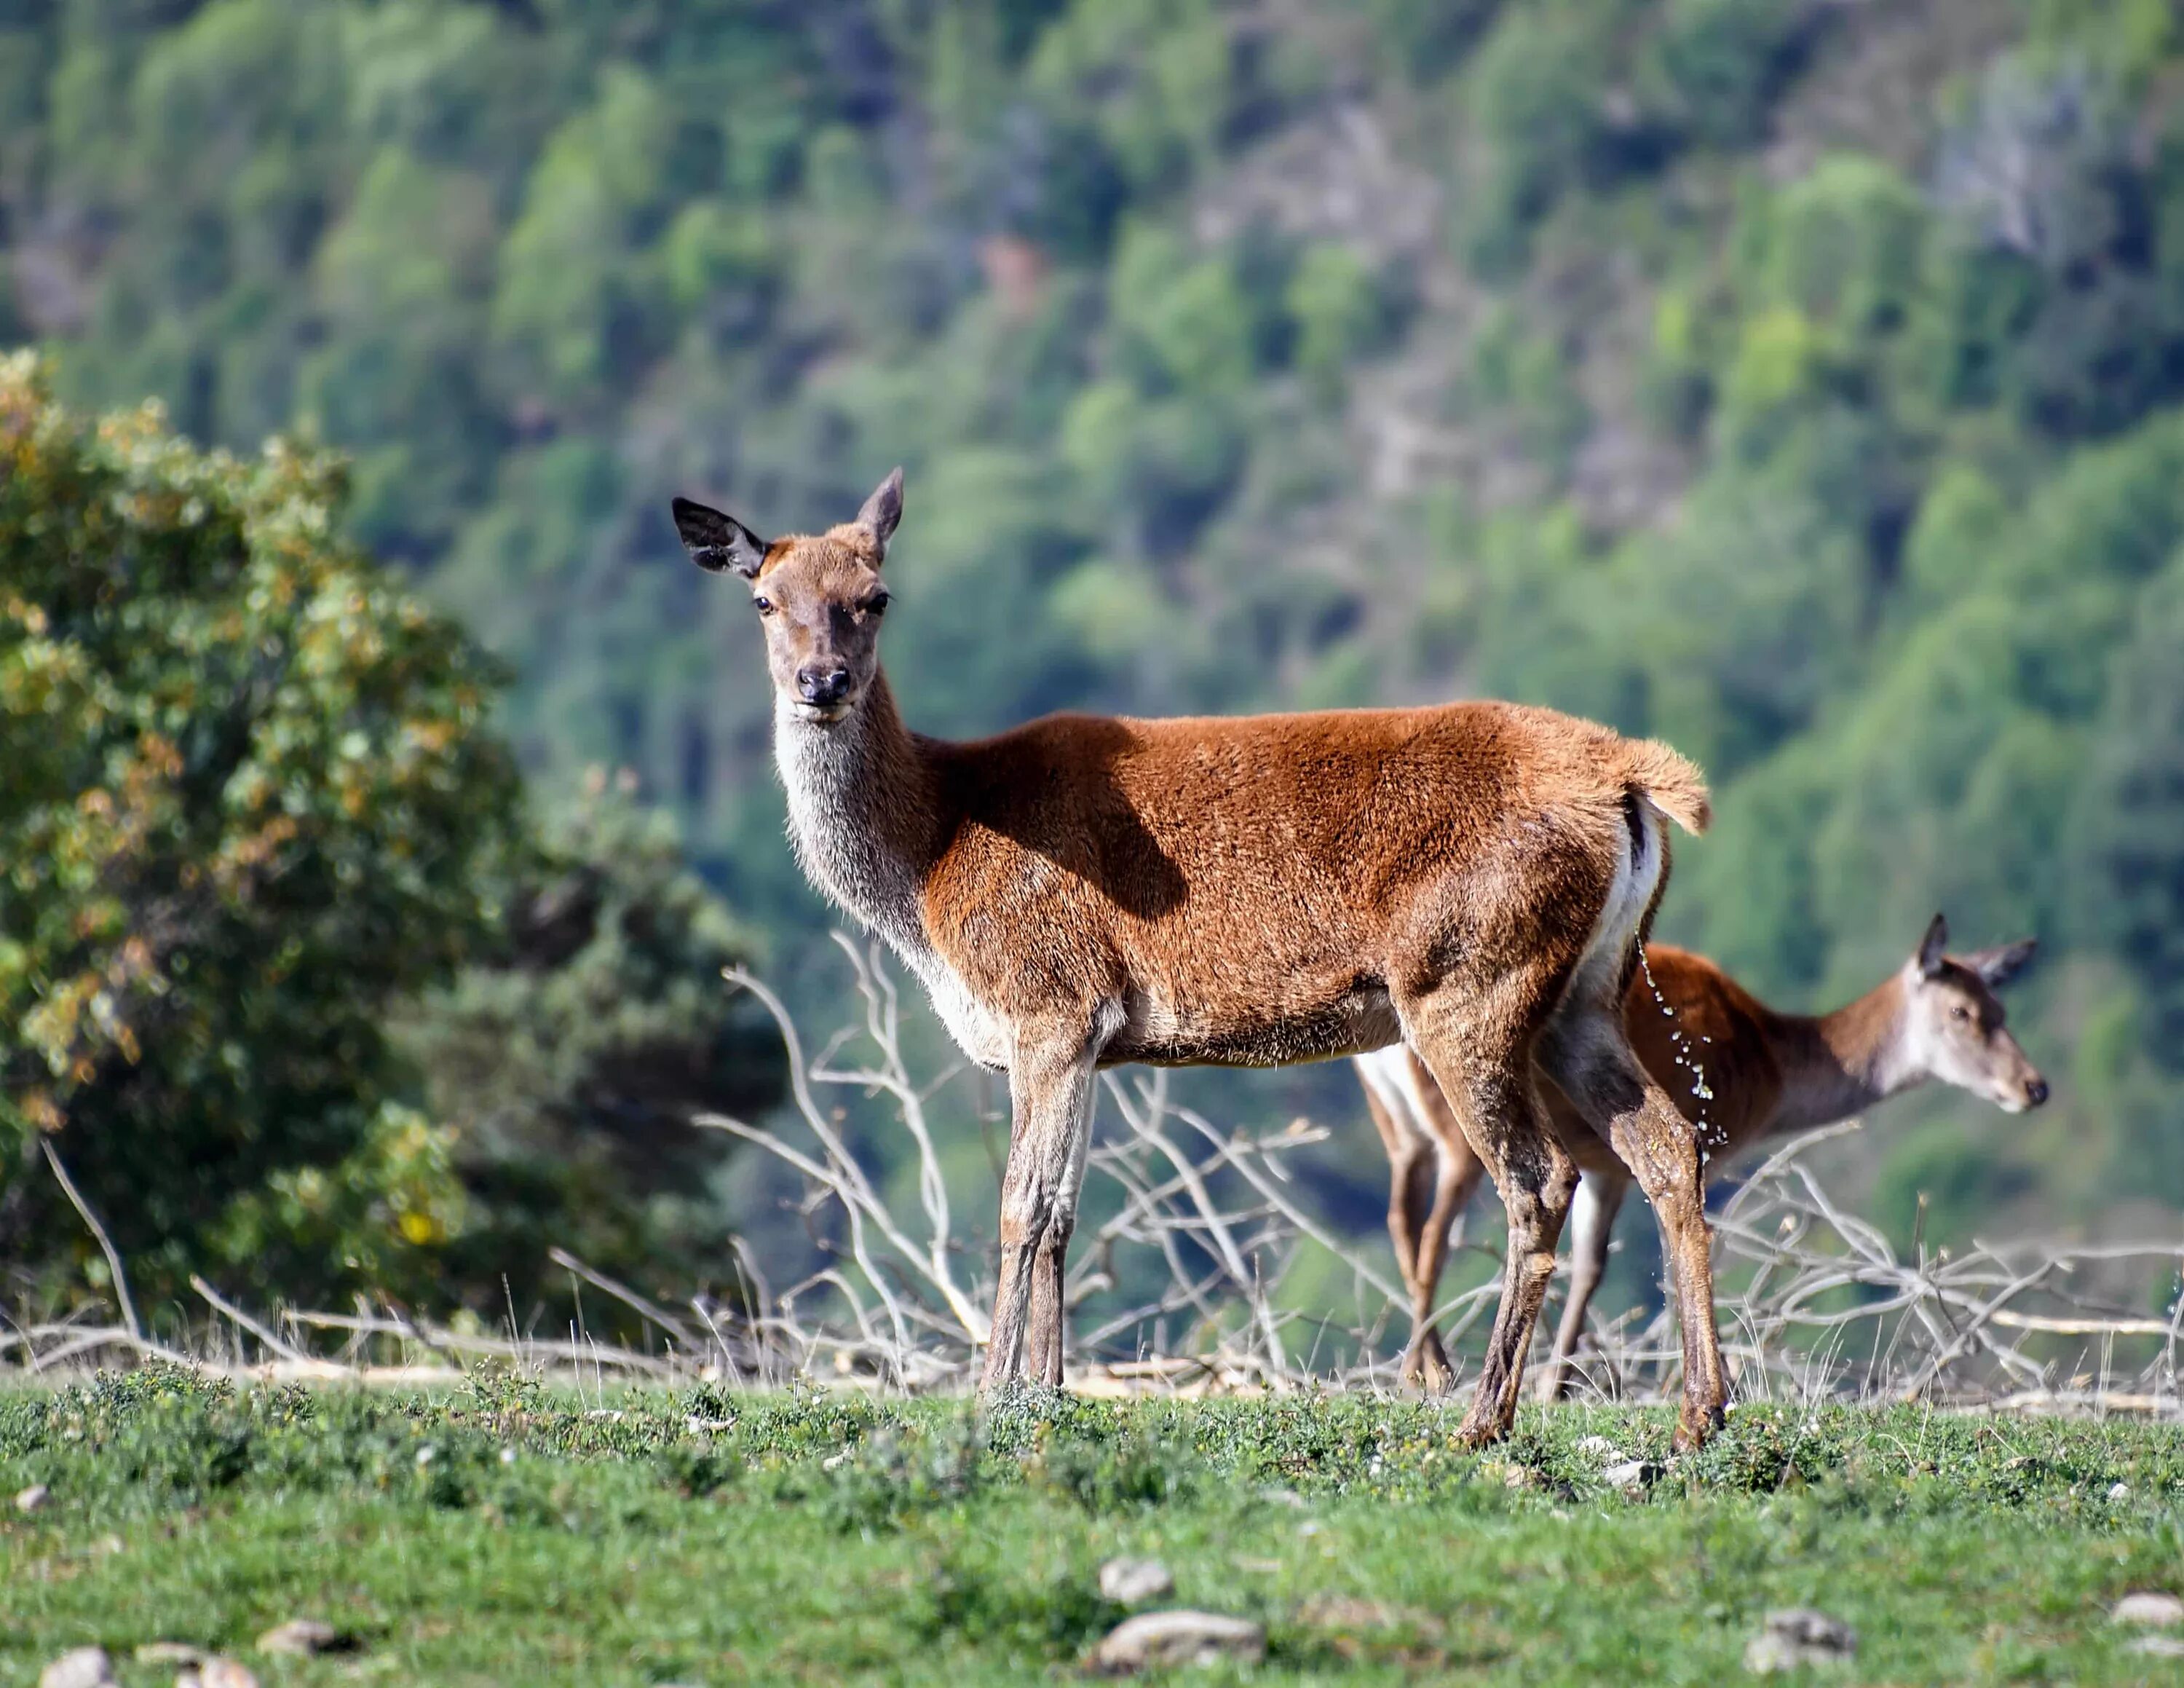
x=1746, y=1073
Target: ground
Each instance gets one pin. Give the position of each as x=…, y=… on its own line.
x=508, y=1533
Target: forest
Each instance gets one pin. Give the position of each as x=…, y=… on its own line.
x=1797, y=381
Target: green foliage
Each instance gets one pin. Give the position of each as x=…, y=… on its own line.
x=251, y=803
x=1663, y=359
x=569, y=1059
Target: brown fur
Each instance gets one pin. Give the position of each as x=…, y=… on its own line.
x=1769, y=1073
x=1085, y=890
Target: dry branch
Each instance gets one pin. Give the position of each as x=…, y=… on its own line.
x=1181, y=1283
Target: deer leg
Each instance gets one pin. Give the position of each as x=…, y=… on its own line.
x=1586, y=1053
x=1410, y=1171
x=1477, y=1047
x=1457, y=1172
x=1592, y=1222
x=1050, y=1303
x=1048, y=1091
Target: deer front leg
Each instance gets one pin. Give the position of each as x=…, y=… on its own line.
x=1049, y=1331
x=1048, y=1091
x=1592, y=1222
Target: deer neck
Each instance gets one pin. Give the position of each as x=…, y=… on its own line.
x=1835, y=1065
x=861, y=812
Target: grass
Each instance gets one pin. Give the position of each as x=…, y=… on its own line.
x=509, y=1534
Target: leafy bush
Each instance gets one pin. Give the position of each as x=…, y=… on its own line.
x=252, y=801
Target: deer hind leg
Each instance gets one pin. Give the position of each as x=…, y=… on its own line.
x=1476, y=1045
x=1586, y=1052
x=1049, y=1094
x=1592, y=1222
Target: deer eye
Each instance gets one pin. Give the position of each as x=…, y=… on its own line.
x=762, y=604
x=876, y=604
x=1958, y=1011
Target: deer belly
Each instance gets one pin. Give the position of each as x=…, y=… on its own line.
x=1349, y=1022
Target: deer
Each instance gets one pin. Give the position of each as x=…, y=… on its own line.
x=1739, y=1073
x=1471, y=880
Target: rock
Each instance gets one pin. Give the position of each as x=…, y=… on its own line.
x=1132, y=1582
x=169, y=1653
x=1158, y=1640
x=1281, y=1497
x=2156, y=1646
x=215, y=1672
x=304, y=1636
x=80, y=1668
x=1599, y=1447
x=2151, y=1610
x=32, y=1498
x=1796, y=1637
x=2120, y=1491
x=1632, y=1478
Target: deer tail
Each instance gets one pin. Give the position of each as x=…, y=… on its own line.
x=1670, y=781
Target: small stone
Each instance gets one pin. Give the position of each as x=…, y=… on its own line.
x=1632, y=1478
x=1132, y=1582
x=216, y=1672
x=32, y=1498
x=2156, y=1646
x=1156, y=1640
x=1281, y=1497
x=169, y=1653
x=1797, y=1637
x=1522, y=1476
x=2148, y=1609
x=80, y=1668
x=2120, y=1491
x=304, y=1636
x=1599, y=1447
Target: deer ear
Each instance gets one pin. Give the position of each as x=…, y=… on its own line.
x=715, y=541
x=1930, y=947
x=1997, y=966
x=884, y=509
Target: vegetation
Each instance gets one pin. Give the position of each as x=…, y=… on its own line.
x=503, y=1530
x=1803, y=382
x=254, y=817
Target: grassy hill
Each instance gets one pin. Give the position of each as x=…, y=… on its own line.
x=510, y=1533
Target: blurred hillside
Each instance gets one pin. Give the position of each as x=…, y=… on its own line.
x=1800, y=380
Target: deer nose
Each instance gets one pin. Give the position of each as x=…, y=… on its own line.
x=822, y=684
x=2036, y=1091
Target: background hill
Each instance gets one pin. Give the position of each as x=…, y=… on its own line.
x=1799, y=380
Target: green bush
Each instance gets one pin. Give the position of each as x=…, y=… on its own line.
x=252, y=802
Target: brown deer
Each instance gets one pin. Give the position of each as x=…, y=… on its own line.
x=1473, y=879
x=1739, y=1073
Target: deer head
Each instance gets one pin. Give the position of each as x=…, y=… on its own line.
x=819, y=597
x=1954, y=1027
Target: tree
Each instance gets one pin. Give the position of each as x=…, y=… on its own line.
x=251, y=801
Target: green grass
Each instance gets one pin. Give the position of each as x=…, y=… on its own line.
x=505, y=1534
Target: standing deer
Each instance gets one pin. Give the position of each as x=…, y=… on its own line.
x=1748, y=1074
x=1080, y=891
